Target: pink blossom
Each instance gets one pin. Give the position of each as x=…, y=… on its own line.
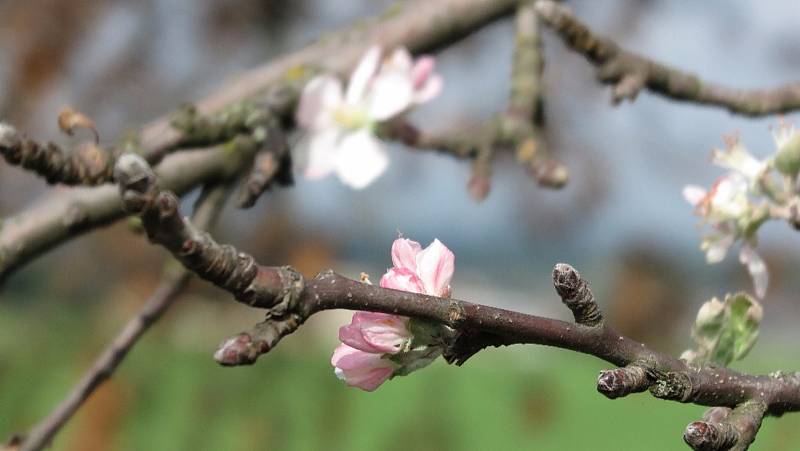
x=364, y=370
x=361, y=361
x=430, y=268
x=376, y=332
x=339, y=126
x=402, y=279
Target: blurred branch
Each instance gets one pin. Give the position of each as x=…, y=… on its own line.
x=175, y=279
x=290, y=300
x=518, y=129
x=418, y=24
x=69, y=214
x=629, y=73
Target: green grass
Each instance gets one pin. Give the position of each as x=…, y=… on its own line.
x=521, y=398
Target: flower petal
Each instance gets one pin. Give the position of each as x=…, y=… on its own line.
x=320, y=151
x=402, y=279
x=422, y=70
x=404, y=253
x=361, y=369
x=429, y=90
x=435, y=266
x=738, y=158
x=717, y=248
x=360, y=159
x=362, y=75
x=757, y=268
x=378, y=333
x=694, y=194
x=320, y=95
x=390, y=94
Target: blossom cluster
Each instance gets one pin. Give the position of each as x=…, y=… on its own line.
x=378, y=346
x=339, y=126
x=740, y=201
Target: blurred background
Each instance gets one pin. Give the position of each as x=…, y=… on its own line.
x=621, y=221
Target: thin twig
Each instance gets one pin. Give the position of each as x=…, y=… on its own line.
x=290, y=301
x=172, y=285
x=629, y=73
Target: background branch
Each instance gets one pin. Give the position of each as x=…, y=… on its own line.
x=629, y=73
x=174, y=281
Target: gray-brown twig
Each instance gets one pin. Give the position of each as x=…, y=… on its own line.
x=174, y=281
x=629, y=73
x=289, y=300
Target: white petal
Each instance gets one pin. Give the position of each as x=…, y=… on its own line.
x=362, y=75
x=717, y=248
x=319, y=150
x=390, y=94
x=400, y=61
x=757, y=268
x=360, y=159
x=738, y=158
x=320, y=96
x=694, y=194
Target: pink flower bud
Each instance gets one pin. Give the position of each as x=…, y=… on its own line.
x=435, y=265
x=402, y=279
x=404, y=254
x=422, y=70
x=376, y=333
x=361, y=369
x=420, y=270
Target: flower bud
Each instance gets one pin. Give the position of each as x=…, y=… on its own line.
x=787, y=160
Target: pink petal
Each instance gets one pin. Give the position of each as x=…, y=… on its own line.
x=378, y=333
x=435, y=266
x=757, y=269
x=404, y=253
x=429, y=90
x=361, y=369
x=402, y=279
x=360, y=159
x=320, y=95
x=422, y=70
x=362, y=75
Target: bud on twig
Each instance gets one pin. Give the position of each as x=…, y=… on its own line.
x=576, y=295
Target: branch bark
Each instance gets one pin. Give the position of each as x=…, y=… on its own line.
x=290, y=301
x=629, y=73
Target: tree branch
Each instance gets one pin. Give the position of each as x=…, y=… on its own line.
x=629, y=73
x=290, y=300
x=172, y=285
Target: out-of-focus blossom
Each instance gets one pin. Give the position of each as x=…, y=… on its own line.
x=737, y=158
x=728, y=210
x=377, y=346
x=339, y=127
